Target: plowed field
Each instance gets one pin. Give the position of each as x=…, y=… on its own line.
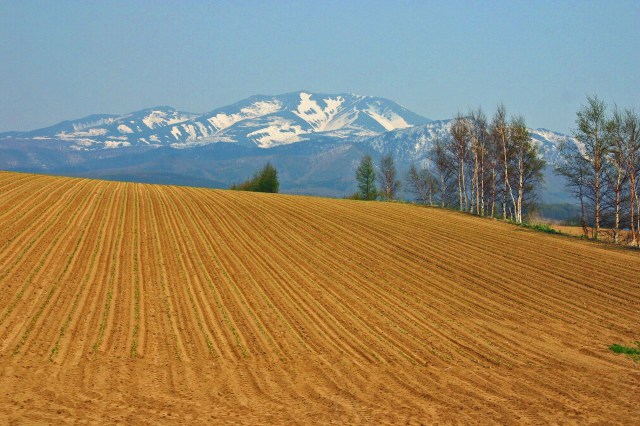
x=135, y=303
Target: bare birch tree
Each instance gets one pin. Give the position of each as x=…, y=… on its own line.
x=479, y=140
x=591, y=134
x=521, y=142
x=501, y=133
x=575, y=168
x=493, y=155
x=459, y=147
x=445, y=167
x=618, y=172
x=422, y=183
x=527, y=165
x=387, y=178
x=630, y=129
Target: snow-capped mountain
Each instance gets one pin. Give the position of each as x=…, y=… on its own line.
x=315, y=141
x=268, y=121
x=263, y=121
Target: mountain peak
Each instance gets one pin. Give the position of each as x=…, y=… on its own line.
x=260, y=120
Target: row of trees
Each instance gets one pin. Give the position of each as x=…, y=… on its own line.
x=602, y=170
x=485, y=168
x=495, y=166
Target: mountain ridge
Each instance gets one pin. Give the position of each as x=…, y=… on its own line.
x=315, y=140
x=263, y=120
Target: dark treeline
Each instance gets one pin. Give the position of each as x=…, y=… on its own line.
x=603, y=168
x=265, y=180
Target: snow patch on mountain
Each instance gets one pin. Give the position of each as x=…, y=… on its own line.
x=161, y=118
x=222, y=121
x=80, y=126
x=280, y=132
x=549, y=143
x=175, y=131
x=388, y=118
x=116, y=144
x=318, y=117
x=123, y=128
x=79, y=134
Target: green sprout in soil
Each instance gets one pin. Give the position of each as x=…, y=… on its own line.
x=632, y=352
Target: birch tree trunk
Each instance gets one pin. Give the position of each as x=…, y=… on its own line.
x=632, y=225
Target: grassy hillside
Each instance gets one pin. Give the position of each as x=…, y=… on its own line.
x=124, y=302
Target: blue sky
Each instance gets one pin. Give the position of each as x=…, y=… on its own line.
x=67, y=59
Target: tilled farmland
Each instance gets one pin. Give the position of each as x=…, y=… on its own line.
x=135, y=303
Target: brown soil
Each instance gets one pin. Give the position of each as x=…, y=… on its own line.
x=605, y=235
x=131, y=303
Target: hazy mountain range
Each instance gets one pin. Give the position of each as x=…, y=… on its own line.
x=315, y=140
